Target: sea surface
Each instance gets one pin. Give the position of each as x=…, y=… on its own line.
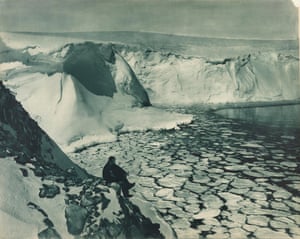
x=231, y=173
x=285, y=117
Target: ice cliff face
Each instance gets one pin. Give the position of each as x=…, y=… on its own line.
x=102, y=71
x=44, y=195
x=91, y=92
x=86, y=63
x=174, y=79
x=68, y=90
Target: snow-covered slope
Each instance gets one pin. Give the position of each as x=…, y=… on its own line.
x=19, y=133
x=28, y=155
x=45, y=195
x=175, y=79
x=81, y=93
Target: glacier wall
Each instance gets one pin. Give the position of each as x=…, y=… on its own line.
x=175, y=79
x=82, y=94
x=67, y=90
x=88, y=93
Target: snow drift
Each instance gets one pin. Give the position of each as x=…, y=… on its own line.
x=175, y=79
x=82, y=94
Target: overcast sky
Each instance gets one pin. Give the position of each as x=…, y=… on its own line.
x=262, y=19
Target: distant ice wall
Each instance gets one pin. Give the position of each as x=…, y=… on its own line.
x=175, y=79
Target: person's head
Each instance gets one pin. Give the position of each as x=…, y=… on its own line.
x=112, y=159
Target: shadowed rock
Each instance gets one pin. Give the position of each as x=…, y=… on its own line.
x=49, y=233
x=76, y=217
x=49, y=191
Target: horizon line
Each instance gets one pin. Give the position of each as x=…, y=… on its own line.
x=152, y=32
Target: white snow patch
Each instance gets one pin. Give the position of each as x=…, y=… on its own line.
x=11, y=65
x=252, y=145
x=88, y=141
x=12, y=228
x=16, y=192
x=147, y=209
x=112, y=211
x=141, y=119
x=34, y=50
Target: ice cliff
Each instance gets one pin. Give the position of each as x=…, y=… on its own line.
x=44, y=195
x=82, y=94
x=174, y=79
x=102, y=71
x=86, y=93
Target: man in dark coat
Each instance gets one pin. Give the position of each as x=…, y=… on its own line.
x=114, y=173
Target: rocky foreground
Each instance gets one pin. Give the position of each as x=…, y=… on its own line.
x=215, y=178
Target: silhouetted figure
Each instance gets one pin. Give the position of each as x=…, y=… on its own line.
x=113, y=173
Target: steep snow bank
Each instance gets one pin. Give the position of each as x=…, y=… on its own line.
x=174, y=79
x=26, y=137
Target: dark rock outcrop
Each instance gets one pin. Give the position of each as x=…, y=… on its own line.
x=49, y=191
x=76, y=217
x=49, y=233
